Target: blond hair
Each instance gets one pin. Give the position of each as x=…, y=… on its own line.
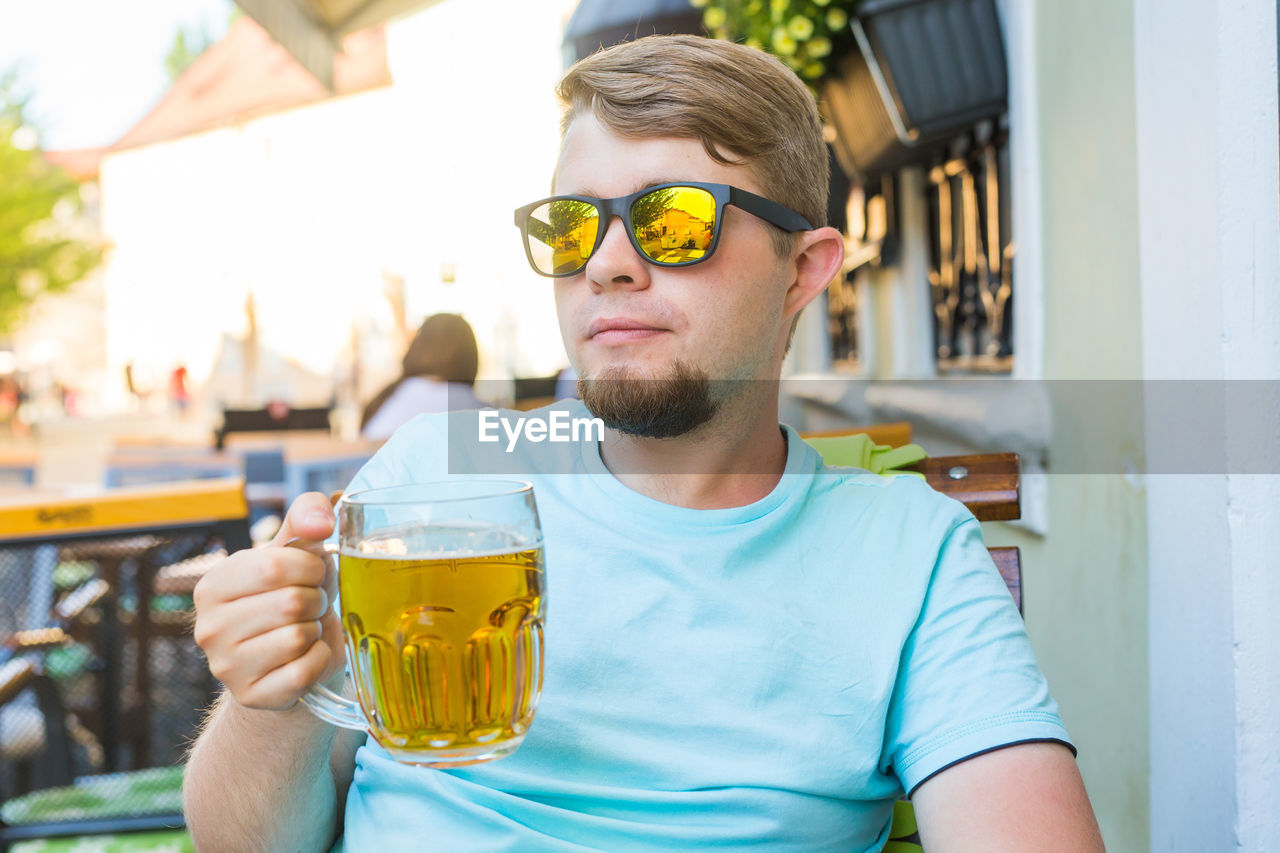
x=744, y=106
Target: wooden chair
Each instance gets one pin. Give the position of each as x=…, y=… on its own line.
x=21, y=669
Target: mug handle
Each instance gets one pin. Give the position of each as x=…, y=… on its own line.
x=329, y=706
x=334, y=708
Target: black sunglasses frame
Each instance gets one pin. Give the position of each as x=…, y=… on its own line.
x=775, y=214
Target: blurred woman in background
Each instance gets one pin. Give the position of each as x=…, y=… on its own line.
x=439, y=372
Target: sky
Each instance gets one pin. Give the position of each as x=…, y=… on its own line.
x=95, y=68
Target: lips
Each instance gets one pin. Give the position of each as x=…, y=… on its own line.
x=621, y=327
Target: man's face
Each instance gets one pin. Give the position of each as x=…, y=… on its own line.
x=623, y=318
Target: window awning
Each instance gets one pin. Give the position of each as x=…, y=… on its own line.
x=603, y=23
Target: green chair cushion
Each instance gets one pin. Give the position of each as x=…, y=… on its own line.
x=157, y=790
x=859, y=451
x=904, y=837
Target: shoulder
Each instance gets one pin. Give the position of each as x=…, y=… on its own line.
x=413, y=395
x=421, y=388
x=895, y=529
x=462, y=396
x=896, y=498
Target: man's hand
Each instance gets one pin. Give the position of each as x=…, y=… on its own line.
x=264, y=616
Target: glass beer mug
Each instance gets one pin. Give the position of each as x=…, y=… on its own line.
x=442, y=596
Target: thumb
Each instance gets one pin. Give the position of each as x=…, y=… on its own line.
x=310, y=518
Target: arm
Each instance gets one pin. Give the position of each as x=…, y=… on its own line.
x=267, y=780
x=975, y=736
x=265, y=774
x=1027, y=797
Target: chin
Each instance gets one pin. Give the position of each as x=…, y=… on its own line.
x=659, y=402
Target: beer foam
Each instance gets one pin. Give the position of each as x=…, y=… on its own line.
x=412, y=542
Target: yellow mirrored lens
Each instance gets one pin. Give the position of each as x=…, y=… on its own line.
x=674, y=225
x=561, y=235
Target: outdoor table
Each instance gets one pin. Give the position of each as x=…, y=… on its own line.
x=324, y=466
x=18, y=466
x=128, y=536
x=130, y=466
x=136, y=463
x=310, y=462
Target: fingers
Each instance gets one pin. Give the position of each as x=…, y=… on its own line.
x=273, y=669
x=264, y=617
x=310, y=518
x=239, y=620
x=259, y=570
x=282, y=686
x=280, y=646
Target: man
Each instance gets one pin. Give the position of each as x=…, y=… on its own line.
x=745, y=649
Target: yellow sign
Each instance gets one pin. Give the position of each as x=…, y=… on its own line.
x=169, y=504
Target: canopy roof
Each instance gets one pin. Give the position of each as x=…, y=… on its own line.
x=312, y=30
x=248, y=74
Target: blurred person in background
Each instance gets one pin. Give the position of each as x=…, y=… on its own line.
x=12, y=396
x=439, y=373
x=136, y=384
x=179, y=394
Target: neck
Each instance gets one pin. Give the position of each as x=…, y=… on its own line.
x=734, y=459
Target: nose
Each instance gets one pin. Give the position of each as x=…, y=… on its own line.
x=615, y=263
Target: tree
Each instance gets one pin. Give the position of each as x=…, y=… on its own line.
x=189, y=44
x=186, y=49
x=38, y=253
x=649, y=212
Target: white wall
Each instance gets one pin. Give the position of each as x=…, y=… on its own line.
x=287, y=207
x=1086, y=580
x=477, y=136
x=1209, y=186
x=308, y=209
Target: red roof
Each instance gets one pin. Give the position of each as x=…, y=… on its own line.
x=249, y=74
x=80, y=163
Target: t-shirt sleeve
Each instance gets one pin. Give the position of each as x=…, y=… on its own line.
x=967, y=680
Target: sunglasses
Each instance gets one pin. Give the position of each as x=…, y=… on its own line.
x=671, y=225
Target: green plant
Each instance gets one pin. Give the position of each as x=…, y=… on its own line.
x=808, y=35
x=39, y=252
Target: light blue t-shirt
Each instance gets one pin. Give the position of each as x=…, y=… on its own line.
x=771, y=676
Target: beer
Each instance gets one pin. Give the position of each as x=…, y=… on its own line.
x=446, y=651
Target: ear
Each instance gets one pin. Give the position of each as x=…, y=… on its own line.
x=819, y=255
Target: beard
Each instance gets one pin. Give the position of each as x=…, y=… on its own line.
x=650, y=406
